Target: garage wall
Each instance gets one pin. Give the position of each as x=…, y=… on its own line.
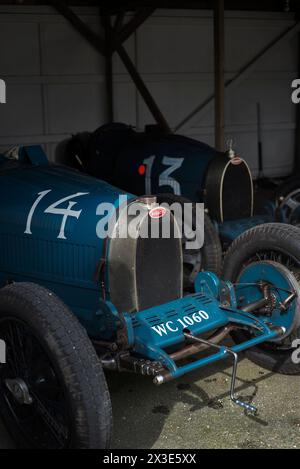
x=55, y=80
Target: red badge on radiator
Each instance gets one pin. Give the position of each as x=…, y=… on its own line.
x=157, y=212
x=236, y=160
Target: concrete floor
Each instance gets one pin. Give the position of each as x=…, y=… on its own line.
x=195, y=411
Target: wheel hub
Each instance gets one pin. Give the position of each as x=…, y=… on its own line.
x=19, y=389
x=280, y=290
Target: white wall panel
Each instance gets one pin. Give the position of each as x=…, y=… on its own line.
x=176, y=98
x=246, y=37
x=65, y=52
x=125, y=101
x=19, y=51
x=55, y=79
x=22, y=115
x=172, y=42
x=75, y=107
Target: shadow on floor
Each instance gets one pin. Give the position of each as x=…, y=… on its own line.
x=141, y=409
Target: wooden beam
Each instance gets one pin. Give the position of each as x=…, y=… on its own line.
x=114, y=6
x=96, y=41
x=117, y=40
x=219, y=53
x=139, y=18
x=142, y=88
x=106, y=22
x=80, y=26
x=119, y=21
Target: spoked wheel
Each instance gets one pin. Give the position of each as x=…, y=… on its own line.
x=53, y=393
x=209, y=257
x=273, y=250
x=288, y=210
x=31, y=389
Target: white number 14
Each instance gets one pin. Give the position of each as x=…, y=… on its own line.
x=55, y=210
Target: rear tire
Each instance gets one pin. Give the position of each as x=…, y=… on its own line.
x=279, y=243
x=50, y=352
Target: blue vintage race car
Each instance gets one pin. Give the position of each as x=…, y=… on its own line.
x=74, y=302
x=178, y=169
x=154, y=162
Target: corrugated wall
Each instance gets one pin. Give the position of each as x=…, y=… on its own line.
x=55, y=80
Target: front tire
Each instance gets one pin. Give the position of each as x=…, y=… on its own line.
x=53, y=392
x=209, y=258
x=270, y=242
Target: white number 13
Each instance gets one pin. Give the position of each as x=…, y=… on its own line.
x=165, y=178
